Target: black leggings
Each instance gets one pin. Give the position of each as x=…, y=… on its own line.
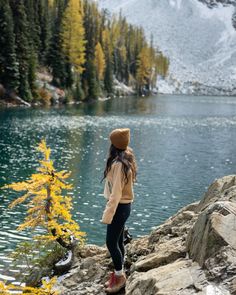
x=115, y=235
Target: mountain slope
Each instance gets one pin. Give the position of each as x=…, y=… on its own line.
x=200, y=41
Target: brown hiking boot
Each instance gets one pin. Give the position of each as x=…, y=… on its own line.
x=116, y=284
x=111, y=279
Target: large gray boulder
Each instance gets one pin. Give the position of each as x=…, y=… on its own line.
x=182, y=277
x=214, y=229
x=193, y=252
x=164, y=253
x=223, y=189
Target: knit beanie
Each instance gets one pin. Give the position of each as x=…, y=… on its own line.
x=120, y=138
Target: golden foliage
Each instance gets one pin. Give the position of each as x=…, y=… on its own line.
x=162, y=64
x=45, y=96
x=150, y=64
x=73, y=34
x=46, y=289
x=106, y=40
x=99, y=61
x=51, y=3
x=123, y=53
x=47, y=207
x=144, y=67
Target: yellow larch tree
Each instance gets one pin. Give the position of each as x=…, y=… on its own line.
x=99, y=61
x=115, y=32
x=106, y=40
x=144, y=71
x=47, y=207
x=73, y=35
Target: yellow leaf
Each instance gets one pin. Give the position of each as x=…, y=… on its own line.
x=73, y=34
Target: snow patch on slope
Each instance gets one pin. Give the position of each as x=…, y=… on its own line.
x=176, y=3
x=200, y=42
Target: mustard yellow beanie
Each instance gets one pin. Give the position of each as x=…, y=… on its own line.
x=120, y=138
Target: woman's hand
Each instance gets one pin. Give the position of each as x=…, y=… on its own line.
x=104, y=221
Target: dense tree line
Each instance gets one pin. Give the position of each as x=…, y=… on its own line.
x=83, y=49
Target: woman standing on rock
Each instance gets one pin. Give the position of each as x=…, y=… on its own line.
x=120, y=174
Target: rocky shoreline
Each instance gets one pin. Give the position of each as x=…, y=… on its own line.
x=52, y=95
x=193, y=252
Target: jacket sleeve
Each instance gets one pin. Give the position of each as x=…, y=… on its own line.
x=116, y=194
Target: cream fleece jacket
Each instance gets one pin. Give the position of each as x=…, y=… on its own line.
x=116, y=191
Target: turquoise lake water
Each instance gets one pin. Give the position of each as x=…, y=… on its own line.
x=182, y=144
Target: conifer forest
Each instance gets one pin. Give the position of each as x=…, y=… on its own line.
x=82, y=49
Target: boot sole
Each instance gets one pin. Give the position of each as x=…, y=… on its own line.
x=123, y=287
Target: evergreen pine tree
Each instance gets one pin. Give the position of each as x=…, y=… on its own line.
x=55, y=57
x=78, y=93
x=22, y=47
x=32, y=72
x=94, y=67
x=91, y=80
x=44, y=36
x=34, y=28
x=69, y=79
x=108, y=78
x=9, y=72
x=108, y=50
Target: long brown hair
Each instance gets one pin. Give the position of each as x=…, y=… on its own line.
x=126, y=157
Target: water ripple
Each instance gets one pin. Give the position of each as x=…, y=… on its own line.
x=181, y=146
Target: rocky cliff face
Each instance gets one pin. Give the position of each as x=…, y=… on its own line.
x=193, y=252
x=214, y=3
